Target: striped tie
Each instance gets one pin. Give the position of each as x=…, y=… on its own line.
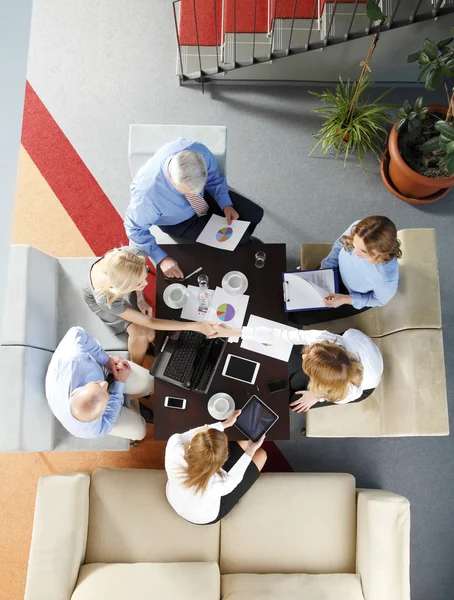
x=198, y=203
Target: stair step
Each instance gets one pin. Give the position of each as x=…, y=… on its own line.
x=244, y=46
x=206, y=24
x=283, y=9
x=300, y=35
x=190, y=60
x=244, y=22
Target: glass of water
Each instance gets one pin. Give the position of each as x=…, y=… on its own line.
x=202, y=280
x=260, y=258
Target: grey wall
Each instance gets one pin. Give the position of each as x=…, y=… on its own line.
x=389, y=62
x=15, y=17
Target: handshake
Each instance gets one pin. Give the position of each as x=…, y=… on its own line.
x=215, y=330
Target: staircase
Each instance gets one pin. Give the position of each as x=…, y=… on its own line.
x=218, y=36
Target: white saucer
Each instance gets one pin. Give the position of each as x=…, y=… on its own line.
x=171, y=303
x=238, y=291
x=218, y=415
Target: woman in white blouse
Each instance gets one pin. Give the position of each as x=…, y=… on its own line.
x=335, y=368
x=207, y=474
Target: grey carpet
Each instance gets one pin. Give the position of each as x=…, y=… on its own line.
x=100, y=66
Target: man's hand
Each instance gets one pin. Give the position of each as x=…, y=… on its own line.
x=121, y=371
x=304, y=403
x=230, y=214
x=254, y=446
x=170, y=268
x=112, y=362
x=207, y=328
x=144, y=307
x=231, y=420
x=336, y=300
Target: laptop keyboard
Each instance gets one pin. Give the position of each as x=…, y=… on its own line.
x=180, y=365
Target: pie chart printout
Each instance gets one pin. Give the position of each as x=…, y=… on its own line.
x=225, y=312
x=224, y=234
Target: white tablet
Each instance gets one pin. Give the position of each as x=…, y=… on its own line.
x=242, y=369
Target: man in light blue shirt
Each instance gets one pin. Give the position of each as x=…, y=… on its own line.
x=179, y=189
x=78, y=394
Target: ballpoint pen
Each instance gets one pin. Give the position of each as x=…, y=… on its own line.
x=193, y=273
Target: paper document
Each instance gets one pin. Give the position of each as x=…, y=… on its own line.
x=228, y=309
x=218, y=234
x=305, y=290
x=279, y=350
x=192, y=311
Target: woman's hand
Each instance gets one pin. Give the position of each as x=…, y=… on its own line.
x=231, y=420
x=304, y=403
x=144, y=307
x=208, y=328
x=336, y=300
x=223, y=330
x=254, y=446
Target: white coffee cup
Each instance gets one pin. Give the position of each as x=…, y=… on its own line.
x=235, y=282
x=176, y=295
x=221, y=405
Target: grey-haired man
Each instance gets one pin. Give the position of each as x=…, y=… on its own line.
x=179, y=189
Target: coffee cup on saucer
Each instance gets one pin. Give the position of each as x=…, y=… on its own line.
x=221, y=406
x=176, y=295
x=234, y=283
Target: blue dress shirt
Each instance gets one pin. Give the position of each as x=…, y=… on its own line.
x=368, y=284
x=78, y=360
x=156, y=201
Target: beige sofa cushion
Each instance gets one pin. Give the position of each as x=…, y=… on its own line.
x=59, y=536
x=132, y=521
x=410, y=400
x=292, y=523
x=291, y=587
x=417, y=301
x=148, y=581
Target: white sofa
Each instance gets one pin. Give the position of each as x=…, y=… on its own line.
x=43, y=300
x=294, y=535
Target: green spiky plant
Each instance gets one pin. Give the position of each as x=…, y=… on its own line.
x=362, y=130
x=354, y=123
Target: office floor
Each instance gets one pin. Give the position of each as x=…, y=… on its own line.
x=98, y=67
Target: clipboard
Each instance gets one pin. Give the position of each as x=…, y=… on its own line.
x=295, y=293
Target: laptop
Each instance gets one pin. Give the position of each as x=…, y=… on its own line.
x=189, y=359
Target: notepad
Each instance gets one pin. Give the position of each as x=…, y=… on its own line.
x=305, y=290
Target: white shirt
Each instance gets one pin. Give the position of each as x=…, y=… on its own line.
x=352, y=340
x=198, y=507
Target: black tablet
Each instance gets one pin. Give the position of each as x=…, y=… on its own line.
x=256, y=419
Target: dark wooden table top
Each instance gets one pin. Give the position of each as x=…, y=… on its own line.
x=265, y=300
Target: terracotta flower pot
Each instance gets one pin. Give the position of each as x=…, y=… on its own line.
x=410, y=185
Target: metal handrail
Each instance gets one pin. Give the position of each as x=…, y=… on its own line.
x=312, y=23
x=272, y=30
x=352, y=19
x=393, y=16
x=178, y=38
x=330, y=22
x=198, y=45
x=291, y=29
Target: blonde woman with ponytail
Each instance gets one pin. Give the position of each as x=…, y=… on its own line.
x=113, y=290
x=207, y=474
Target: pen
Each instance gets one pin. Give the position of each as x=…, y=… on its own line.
x=193, y=273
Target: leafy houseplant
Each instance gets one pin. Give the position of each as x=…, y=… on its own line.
x=354, y=123
x=420, y=166
x=362, y=131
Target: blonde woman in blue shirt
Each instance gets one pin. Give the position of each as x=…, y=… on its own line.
x=366, y=255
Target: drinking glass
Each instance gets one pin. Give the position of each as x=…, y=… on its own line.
x=202, y=280
x=260, y=259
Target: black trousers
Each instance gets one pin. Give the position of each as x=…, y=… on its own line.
x=299, y=381
x=192, y=228
x=310, y=317
x=249, y=478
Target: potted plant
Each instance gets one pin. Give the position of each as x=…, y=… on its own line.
x=354, y=122
x=418, y=165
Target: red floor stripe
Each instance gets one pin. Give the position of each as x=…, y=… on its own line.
x=71, y=181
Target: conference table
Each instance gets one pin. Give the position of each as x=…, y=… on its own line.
x=265, y=300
